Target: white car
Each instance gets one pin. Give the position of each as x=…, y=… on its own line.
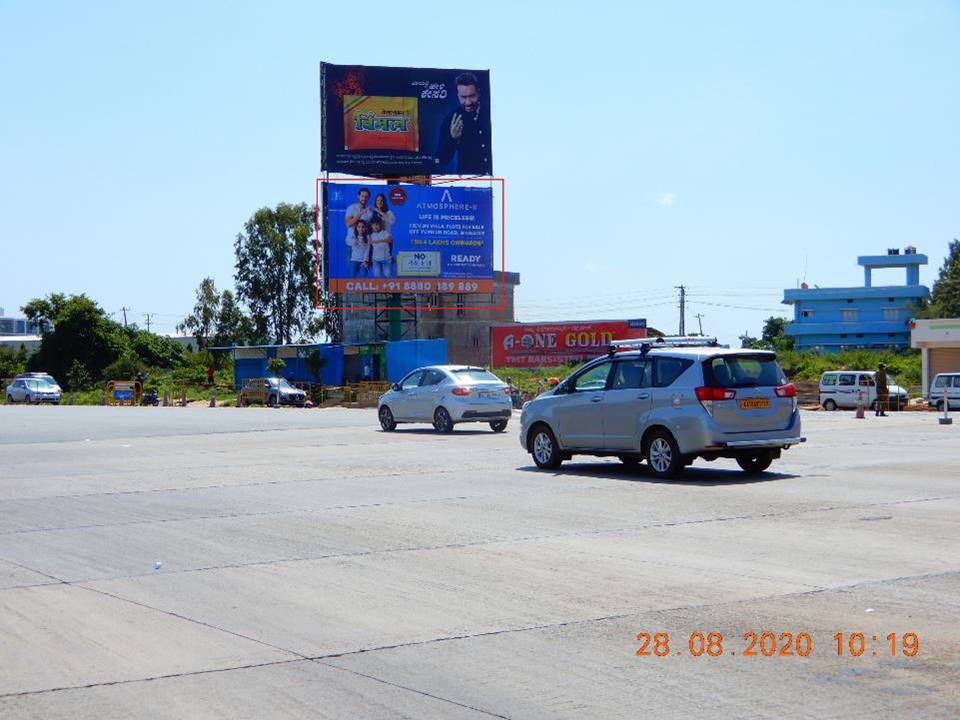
x=944, y=384
x=849, y=388
x=446, y=395
x=33, y=390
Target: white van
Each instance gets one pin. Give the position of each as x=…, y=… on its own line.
x=949, y=382
x=848, y=388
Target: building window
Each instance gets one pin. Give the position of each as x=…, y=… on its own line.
x=851, y=315
x=859, y=335
x=891, y=313
x=843, y=337
x=806, y=313
x=891, y=335
x=849, y=300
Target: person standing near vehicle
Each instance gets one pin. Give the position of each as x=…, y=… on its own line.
x=883, y=391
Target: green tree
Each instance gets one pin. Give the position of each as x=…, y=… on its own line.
x=774, y=335
x=274, y=271
x=233, y=326
x=13, y=362
x=945, y=297
x=82, y=332
x=276, y=365
x=77, y=376
x=202, y=321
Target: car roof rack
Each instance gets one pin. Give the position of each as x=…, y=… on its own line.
x=645, y=345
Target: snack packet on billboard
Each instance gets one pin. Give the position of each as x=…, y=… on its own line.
x=373, y=122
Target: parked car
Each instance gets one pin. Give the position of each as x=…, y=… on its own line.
x=949, y=382
x=33, y=390
x=847, y=388
x=447, y=395
x=668, y=401
x=270, y=391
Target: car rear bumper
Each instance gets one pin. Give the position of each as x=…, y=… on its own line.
x=485, y=414
x=780, y=442
x=479, y=411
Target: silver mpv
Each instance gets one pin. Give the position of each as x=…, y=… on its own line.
x=668, y=401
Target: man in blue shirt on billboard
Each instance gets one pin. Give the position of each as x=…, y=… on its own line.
x=465, y=131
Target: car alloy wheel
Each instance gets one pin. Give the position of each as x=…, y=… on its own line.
x=442, y=422
x=830, y=405
x=544, y=449
x=272, y=401
x=663, y=455
x=498, y=425
x=386, y=419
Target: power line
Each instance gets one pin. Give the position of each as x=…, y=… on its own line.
x=148, y=317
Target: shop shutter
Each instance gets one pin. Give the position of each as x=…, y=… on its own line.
x=943, y=360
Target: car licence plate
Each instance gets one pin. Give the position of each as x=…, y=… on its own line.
x=755, y=404
x=490, y=395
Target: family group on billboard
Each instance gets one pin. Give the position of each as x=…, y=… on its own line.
x=382, y=121
x=370, y=236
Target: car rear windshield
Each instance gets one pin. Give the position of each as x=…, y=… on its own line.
x=747, y=370
x=475, y=375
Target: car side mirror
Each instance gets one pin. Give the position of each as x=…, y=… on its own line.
x=396, y=386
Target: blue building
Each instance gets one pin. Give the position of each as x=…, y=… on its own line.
x=872, y=316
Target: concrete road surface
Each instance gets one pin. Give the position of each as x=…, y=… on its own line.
x=312, y=566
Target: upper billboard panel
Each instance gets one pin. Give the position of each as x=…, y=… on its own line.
x=408, y=238
x=403, y=122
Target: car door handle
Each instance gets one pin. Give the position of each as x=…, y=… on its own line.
x=596, y=398
x=643, y=396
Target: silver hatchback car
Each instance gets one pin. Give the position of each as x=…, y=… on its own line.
x=668, y=401
x=446, y=395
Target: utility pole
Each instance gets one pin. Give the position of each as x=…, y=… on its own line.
x=683, y=309
x=147, y=317
x=124, y=315
x=699, y=317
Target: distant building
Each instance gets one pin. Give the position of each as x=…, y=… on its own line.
x=464, y=326
x=834, y=319
x=22, y=326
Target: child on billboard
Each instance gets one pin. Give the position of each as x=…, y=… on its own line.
x=359, y=244
x=380, y=244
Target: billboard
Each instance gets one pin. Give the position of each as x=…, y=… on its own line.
x=402, y=122
x=548, y=344
x=407, y=238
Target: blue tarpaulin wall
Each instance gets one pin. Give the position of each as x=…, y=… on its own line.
x=296, y=369
x=402, y=356
x=406, y=355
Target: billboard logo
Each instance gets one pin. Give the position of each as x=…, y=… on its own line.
x=418, y=263
x=398, y=196
x=373, y=122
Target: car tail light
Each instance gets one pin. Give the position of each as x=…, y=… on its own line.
x=714, y=393
x=707, y=396
x=785, y=391
x=461, y=391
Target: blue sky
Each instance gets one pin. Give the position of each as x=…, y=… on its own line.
x=734, y=147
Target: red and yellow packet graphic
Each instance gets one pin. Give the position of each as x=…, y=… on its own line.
x=374, y=122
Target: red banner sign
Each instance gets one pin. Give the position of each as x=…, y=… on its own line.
x=551, y=344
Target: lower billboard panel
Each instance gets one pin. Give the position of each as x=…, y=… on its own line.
x=549, y=344
x=413, y=285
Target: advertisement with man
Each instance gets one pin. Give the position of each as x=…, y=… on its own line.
x=549, y=344
x=408, y=238
x=403, y=122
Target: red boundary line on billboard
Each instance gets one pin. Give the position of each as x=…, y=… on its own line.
x=435, y=181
